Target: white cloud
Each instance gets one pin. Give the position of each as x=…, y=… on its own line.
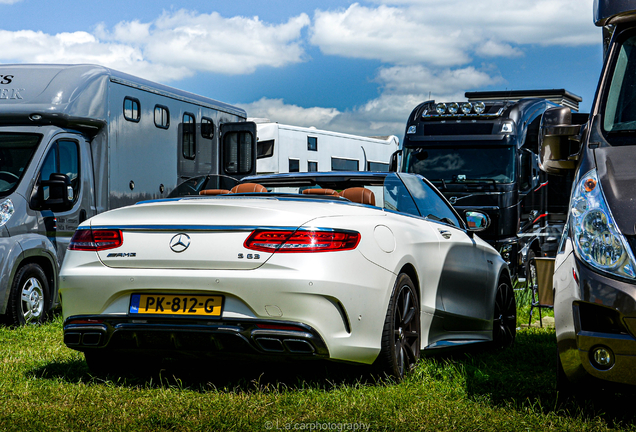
x=9, y=1
x=174, y=46
x=403, y=88
x=451, y=32
x=276, y=110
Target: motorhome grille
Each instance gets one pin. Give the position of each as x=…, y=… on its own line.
x=452, y=128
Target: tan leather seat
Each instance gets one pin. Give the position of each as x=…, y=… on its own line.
x=359, y=195
x=320, y=192
x=249, y=188
x=214, y=192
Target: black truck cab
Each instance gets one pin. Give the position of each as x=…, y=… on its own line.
x=483, y=155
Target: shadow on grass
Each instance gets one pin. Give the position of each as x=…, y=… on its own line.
x=206, y=375
x=522, y=378
x=525, y=376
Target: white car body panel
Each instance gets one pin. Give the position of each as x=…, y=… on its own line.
x=342, y=295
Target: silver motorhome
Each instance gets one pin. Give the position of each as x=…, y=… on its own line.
x=77, y=140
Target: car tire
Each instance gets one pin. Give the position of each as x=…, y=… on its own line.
x=29, y=298
x=504, y=325
x=400, y=345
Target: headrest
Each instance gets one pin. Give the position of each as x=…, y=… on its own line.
x=214, y=192
x=320, y=192
x=359, y=195
x=248, y=188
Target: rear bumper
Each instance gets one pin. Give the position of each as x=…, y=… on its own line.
x=183, y=337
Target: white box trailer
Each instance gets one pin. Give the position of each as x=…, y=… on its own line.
x=284, y=148
x=77, y=140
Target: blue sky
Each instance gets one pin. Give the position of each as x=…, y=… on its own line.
x=357, y=67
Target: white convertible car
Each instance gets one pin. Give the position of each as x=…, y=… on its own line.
x=356, y=267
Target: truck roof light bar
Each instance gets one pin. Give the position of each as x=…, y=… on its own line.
x=457, y=109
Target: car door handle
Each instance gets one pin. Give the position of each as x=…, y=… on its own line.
x=445, y=233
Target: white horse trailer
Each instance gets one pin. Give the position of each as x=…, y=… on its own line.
x=283, y=148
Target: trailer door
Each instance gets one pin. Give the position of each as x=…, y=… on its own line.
x=238, y=149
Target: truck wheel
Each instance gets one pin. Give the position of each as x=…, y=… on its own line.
x=29, y=297
x=400, y=345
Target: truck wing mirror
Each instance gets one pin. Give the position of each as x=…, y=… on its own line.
x=555, y=133
x=55, y=194
x=393, y=162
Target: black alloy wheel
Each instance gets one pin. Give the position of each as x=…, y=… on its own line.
x=504, y=325
x=400, y=345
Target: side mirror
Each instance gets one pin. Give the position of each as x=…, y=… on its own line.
x=476, y=221
x=555, y=132
x=55, y=194
x=393, y=162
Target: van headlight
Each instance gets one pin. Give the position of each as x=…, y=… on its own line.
x=597, y=239
x=6, y=211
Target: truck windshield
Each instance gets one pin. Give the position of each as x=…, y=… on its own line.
x=16, y=151
x=620, y=103
x=463, y=164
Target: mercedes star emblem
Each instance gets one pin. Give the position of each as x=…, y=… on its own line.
x=180, y=242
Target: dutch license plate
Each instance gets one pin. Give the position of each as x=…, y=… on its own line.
x=166, y=304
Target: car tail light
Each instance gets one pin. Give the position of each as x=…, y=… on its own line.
x=285, y=241
x=96, y=240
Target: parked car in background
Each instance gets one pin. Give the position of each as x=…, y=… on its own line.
x=356, y=267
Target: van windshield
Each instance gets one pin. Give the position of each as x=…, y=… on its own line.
x=485, y=164
x=620, y=104
x=16, y=151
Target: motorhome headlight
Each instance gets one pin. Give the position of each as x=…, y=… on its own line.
x=6, y=211
x=479, y=107
x=597, y=239
x=453, y=107
x=440, y=108
x=467, y=107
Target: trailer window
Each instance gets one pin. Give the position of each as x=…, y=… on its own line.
x=207, y=128
x=188, y=144
x=312, y=166
x=312, y=143
x=237, y=152
x=162, y=117
x=264, y=149
x=378, y=166
x=132, y=111
x=338, y=164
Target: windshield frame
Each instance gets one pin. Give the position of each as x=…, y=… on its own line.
x=23, y=167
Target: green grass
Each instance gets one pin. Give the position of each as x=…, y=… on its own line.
x=45, y=386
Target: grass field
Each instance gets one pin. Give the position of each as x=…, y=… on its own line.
x=45, y=386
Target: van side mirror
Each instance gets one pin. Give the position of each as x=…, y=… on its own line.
x=55, y=194
x=393, y=162
x=555, y=132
